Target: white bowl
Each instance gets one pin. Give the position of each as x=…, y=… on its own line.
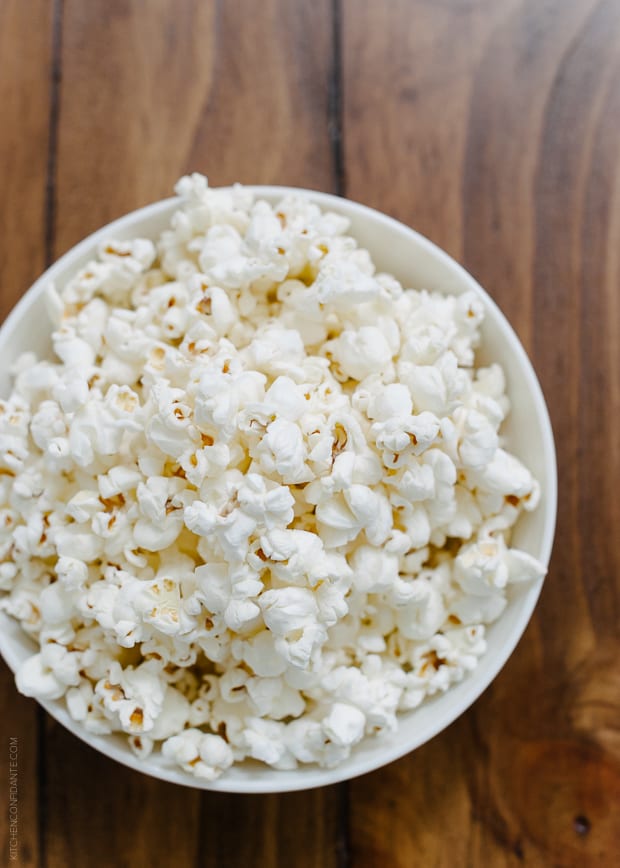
x=418, y=263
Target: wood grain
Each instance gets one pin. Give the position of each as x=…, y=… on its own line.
x=492, y=127
x=502, y=132
x=304, y=829
x=152, y=90
x=25, y=70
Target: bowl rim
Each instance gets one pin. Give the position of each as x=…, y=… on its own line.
x=309, y=777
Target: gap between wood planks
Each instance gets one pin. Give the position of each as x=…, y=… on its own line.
x=50, y=227
x=335, y=129
x=335, y=120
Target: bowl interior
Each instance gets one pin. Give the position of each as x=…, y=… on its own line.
x=418, y=263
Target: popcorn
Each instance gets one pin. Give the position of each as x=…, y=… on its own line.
x=360, y=353
x=423, y=615
x=257, y=507
x=264, y=742
x=286, y=610
x=34, y=679
x=267, y=502
x=343, y=283
x=202, y=754
x=43, y=675
x=344, y=724
x=480, y=567
x=273, y=698
x=282, y=452
x=260, y=654
x=134, y=697
x=173, y=716
x=375, y=570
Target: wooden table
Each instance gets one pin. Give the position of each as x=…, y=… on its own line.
x=493, y=127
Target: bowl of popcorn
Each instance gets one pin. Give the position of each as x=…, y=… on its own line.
x=277, y=489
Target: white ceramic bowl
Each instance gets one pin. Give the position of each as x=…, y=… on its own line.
x=418, y=263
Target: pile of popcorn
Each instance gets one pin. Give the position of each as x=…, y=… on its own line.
x=259, y=504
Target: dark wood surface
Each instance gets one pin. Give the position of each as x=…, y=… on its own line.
x=493, y=127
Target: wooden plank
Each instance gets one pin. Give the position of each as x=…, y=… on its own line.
x=407, y=80
x=100, y=813
x=499, y=140
x=25, y=67
x=305, y=829
x=135, y=78
x=577, y=275
x=151, y=90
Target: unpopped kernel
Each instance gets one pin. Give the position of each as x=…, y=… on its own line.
x=259, y=504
